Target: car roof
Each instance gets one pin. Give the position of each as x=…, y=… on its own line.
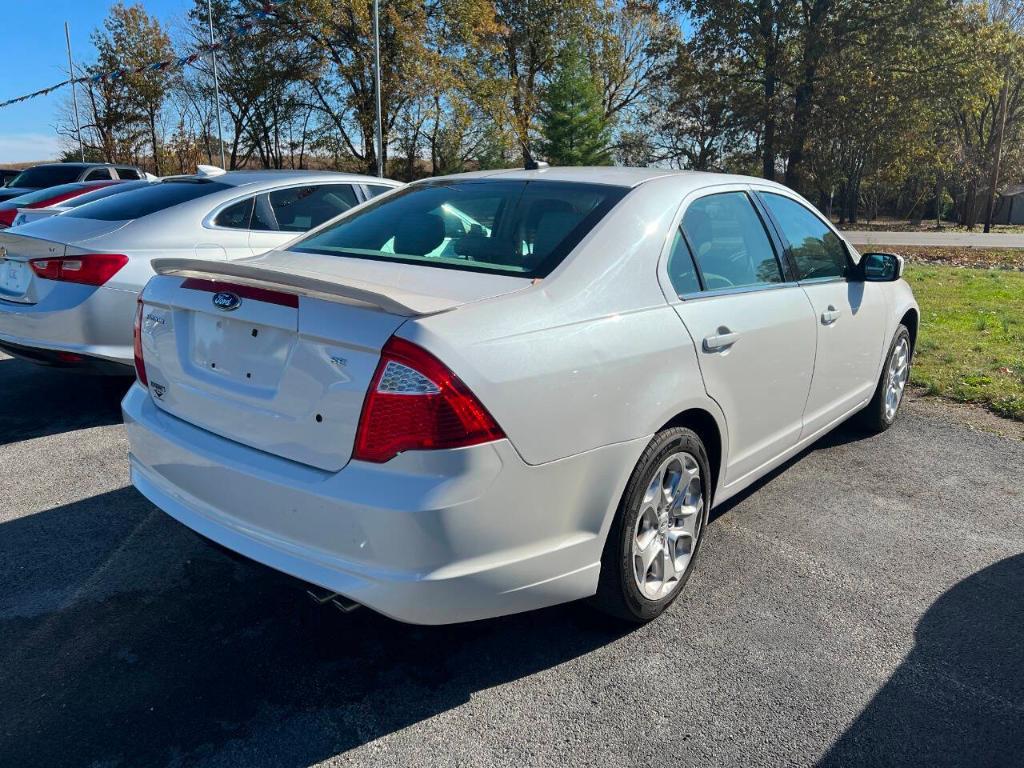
x=614, y=175
x=274, y=177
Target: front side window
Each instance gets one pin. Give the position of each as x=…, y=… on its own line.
x=377, y=189
x=523, y=228
x=128, y=173
x=816, y=249
x=730, y=243
x=98, y=174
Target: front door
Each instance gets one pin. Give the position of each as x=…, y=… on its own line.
x=850, y=314
x=754, y=332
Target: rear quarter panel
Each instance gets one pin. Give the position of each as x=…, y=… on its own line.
x=591, y=356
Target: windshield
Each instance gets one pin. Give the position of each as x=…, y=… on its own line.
x=523, y=228
x=137, y=203
x=46, y=176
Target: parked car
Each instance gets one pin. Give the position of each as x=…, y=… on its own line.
x=6, y=174
x=494, y=392
x=68, y=283
x=94, y=190
x=44, y=198
x=52, y=174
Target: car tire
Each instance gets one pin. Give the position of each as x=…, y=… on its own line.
x=882, y=412
x=652, y=514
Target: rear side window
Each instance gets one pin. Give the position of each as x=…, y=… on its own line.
x=681, y=270
x=147, y=200
x=46, y=176
x=516, y=227
x=816, y=249
x=98, y=174
x=236, y=216
x=128, y=173
x=730, y=243
x=299, y=209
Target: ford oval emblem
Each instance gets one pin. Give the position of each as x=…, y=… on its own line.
x=226, y=301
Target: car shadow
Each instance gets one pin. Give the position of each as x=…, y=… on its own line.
x=36, y=400
x=127, y=640
x=958, y=697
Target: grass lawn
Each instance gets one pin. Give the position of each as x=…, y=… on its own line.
x=971, y=343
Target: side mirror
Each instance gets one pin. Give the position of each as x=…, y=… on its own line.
x=881, y=267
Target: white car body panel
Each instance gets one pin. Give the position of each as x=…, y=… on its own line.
x=579, y=369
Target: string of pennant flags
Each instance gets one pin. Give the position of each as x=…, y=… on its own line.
x=244, y=27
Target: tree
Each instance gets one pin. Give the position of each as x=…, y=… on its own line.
x=573, y=123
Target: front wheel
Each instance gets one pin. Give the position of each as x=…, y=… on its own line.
x=650, y=550
x=881, y=412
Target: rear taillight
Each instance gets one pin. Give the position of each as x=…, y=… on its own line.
x=88, y=269
x=140, y=364
x=7, y=217
x=416, y=403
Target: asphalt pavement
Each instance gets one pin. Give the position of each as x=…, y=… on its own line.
x=938, y=239
x=862, y=606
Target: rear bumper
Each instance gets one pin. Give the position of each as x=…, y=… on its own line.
x=66, y=359
x=430, y=537
x=88, y=321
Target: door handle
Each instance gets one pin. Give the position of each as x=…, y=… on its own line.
x=720, y=341
x=830, y=315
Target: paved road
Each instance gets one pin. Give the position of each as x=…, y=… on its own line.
x=952, y=239
x=865, y=606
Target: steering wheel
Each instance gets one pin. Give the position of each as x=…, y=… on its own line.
x=714, y=282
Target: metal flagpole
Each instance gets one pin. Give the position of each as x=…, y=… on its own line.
x=74, y=92
x=376, y=78
x=216, y=85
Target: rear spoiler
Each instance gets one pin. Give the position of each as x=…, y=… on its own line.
x=307, y=283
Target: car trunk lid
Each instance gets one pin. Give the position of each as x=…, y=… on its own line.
x=277, y=353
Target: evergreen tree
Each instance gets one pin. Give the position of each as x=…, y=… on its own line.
x=573, y=124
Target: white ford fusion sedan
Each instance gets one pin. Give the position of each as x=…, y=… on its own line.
x=69, y=283
x=494, y=392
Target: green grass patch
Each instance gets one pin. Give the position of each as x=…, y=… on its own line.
x=971, y=343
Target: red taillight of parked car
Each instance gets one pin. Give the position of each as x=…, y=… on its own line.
x=88, y=269
x=416, y=402
x=140, y=364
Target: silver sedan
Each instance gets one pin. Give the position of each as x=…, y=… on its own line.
x=494, y=392
x=68, y=283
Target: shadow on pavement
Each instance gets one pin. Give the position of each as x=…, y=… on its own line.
x=36, y=400
x=958, y=698
x=126, y=640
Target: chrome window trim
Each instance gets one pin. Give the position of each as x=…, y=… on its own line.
x=717, y=292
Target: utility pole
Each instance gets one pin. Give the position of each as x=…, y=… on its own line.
x=74, y=92
x=216, y=85
x=376, y=86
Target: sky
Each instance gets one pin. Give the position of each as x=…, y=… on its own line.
x=35, y=57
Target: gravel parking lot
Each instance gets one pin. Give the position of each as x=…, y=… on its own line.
x=863, y=606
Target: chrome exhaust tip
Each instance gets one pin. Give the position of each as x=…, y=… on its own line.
x=322, y=596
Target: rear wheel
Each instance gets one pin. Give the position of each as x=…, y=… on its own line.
x=657, y=530
x=881, y=412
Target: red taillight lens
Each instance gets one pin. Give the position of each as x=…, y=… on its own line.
x=88, y=269
x=416, y=403
x=140, y=364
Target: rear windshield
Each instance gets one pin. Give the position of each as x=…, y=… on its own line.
x=46, y=176
x=30, y=198
x=137, y=203
x=102, y=192
x=524, y=228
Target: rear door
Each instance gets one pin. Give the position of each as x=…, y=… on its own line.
x=752, y=325
x=849, y=314
x=280, y=216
